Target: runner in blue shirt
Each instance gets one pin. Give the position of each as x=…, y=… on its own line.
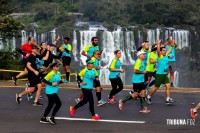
x=87, y=77
x=171, y=58
x=52, y=79
x=138, y=81
x=161, y=74
x=114, y=76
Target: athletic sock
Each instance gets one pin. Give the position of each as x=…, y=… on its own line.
x=167, y=99
x=67, y=76
x=98, y=94
x=148, y=96
x=142, y=100
x=129, y=97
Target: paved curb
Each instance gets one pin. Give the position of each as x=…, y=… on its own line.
x=73, y=85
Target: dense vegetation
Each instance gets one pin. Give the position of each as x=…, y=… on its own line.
x=150, y=13
x=9, y=27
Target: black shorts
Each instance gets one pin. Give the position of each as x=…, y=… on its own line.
x=96, y=83
x=145, y=77
x=24, y=62
x=151, y=74
x=33, y=79
x=138, y=87
x=66, y=60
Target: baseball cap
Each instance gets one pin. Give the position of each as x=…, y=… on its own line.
x=52, y=45
x=89, y=61
x=140, y=52
x=55, y=64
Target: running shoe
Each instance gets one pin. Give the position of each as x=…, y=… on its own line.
x=148, y=100
x=96, y=117
x=131, y=92
x=144, y=110
x=101, y=102
x=170, y=101
x=72, y=111
x=14, y=78
x=28, y=96
x=37, y=104
x=18, y=98
x=52, y=120
x=121, y=105
x=112, y=100
x=77, y=100
x=44, y=120
x=66, y=81
x=193, y=114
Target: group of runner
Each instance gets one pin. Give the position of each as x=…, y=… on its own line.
x=41, y=69
x=152, y=66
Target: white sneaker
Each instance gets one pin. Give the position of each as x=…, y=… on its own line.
x=101, y=102
x=77, y=100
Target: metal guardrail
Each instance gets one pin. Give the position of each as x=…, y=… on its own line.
x=4, y=71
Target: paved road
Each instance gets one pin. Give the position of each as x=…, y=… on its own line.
x=24, y=118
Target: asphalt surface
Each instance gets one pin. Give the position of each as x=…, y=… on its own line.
x=24, y=118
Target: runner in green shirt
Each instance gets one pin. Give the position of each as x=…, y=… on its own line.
x=161, y=74
x=151, y=66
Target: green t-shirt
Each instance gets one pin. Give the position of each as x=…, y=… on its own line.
x=151, y=67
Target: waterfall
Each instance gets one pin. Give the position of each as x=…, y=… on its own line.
x=74, y=44
x=53, y=35
x=1, y=44
x=151, y=37
x=126, y=41
x=182, y=38
x=24, y=37
x=176, y=79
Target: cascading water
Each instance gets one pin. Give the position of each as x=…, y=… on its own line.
x=176, y=79
x=75, y=49
x=109, y=41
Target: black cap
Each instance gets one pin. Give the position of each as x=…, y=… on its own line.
x=52, y=45
x=55, y=64
x=67, y=38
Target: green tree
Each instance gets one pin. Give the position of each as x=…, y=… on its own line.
x=9, y=27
